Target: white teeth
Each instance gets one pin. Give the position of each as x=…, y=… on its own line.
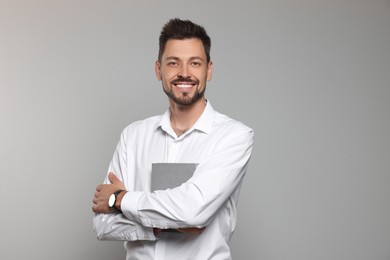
x=184, y=86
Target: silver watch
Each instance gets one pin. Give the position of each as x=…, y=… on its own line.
x=112, y=199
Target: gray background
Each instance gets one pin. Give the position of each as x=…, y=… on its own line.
x=311, y=77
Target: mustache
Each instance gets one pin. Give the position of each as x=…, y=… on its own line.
x=184, y=80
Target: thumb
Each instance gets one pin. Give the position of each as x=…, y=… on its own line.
x=112, y=177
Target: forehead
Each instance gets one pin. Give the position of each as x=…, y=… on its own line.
x=183, y=49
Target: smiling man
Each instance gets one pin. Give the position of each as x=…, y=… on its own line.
x=173, y=183
x=182, y=72
x=184, y=69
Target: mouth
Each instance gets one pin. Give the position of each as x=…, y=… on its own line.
x=184, y=84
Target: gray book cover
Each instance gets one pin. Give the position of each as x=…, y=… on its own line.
x=171, y=175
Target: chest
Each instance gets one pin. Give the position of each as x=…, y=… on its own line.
x=141, y=155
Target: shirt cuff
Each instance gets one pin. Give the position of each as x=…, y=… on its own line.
x=129, y=205
x=146, y=234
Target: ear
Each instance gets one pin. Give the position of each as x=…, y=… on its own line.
x=210, y=68
x=157, y=68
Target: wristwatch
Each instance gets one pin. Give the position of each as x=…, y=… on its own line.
x=112, y=199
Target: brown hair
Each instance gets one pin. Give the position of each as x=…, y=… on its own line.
x=183, y=29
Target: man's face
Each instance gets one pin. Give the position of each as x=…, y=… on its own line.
x=184, y=70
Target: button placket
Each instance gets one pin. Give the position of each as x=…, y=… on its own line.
x=173, y=150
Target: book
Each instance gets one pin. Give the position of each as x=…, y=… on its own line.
x=171, y=175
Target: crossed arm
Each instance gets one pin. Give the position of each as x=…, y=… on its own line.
x=140, y=215
x=104, y=191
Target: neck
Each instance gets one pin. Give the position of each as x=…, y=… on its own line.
x=184, y=117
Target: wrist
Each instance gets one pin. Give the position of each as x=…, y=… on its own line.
x=119, y=198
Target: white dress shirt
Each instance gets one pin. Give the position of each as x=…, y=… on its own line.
x=220, y=146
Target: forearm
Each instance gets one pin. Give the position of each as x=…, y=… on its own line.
x=115, y=226
x=194, y=203
x=109, y=225
x=184, y=207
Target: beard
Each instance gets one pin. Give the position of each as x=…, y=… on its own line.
x=185, y=99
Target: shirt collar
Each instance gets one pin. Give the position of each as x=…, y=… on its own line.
x=203, y=124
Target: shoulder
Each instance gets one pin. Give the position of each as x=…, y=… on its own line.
x=227, y=132
x=227, y=124
x=144, y=126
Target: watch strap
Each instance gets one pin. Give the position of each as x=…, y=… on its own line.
x=116, y=196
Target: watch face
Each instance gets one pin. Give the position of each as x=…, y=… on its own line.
x=111, y=201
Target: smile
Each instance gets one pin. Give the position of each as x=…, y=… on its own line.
x=186, y=85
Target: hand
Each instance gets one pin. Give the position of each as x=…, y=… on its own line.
x=103, y=193
x=194, y=231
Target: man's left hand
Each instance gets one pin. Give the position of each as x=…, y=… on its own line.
x=103, y=193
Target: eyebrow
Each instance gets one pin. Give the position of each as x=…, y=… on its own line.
x=177, y=58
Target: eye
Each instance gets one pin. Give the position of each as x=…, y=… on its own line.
x=172, y=63
x=196, y=63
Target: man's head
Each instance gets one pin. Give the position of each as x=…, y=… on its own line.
x=184, y=64
x=177, y=29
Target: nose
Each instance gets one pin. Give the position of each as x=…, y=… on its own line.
x=184, y=72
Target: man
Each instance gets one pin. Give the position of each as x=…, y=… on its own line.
x=196, y=218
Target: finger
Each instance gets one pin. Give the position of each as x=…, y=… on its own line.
x=157, y=231
x=97, y=195
x=191, y=230
x=95, y=209
x=113, y=179
x=98, y=188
